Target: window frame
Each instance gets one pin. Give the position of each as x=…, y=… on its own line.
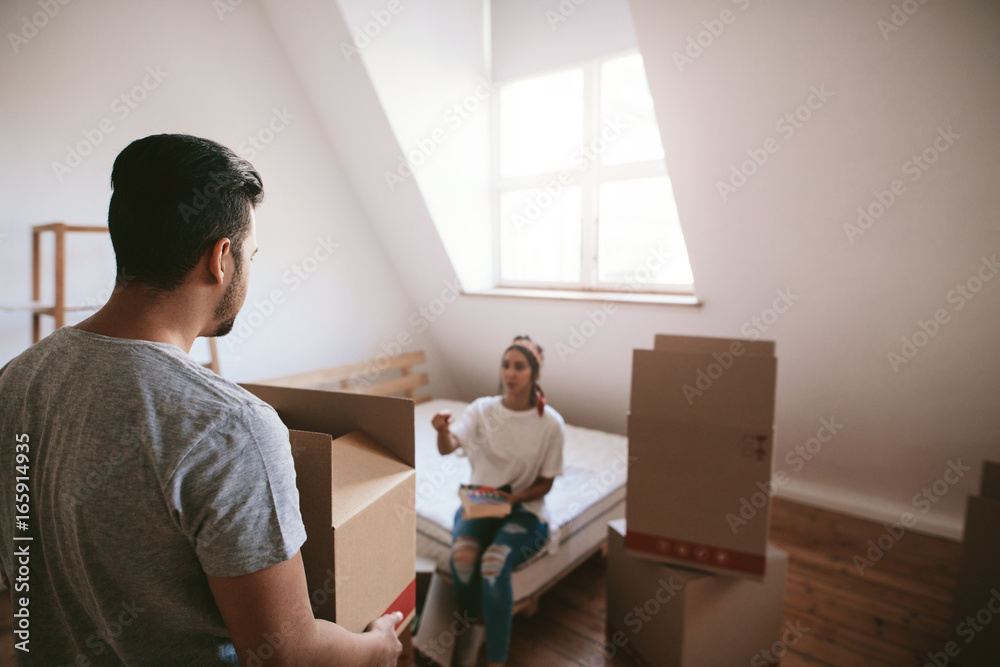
x=588, y=179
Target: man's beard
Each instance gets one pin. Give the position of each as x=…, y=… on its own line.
x=229, y=307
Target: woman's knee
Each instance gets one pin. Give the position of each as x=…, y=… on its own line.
x=464, y=554
x=494, y=561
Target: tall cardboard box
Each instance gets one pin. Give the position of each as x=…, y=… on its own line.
x=976, y=603
x=354, y=466
x=701, y=433
x=669, y=616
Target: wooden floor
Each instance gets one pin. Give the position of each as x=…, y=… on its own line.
x=891, y=616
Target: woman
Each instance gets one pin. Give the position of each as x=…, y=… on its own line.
x=513, y=441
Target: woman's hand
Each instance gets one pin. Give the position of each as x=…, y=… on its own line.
x=537, y=490
x=446, y=442
x=512, y=498
x=441, y=420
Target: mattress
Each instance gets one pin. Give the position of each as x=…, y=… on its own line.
x=589, y=493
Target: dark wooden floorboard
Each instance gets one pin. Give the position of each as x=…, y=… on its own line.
x=889, y=616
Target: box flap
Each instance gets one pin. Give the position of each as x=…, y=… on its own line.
x=362, y=472
x=707, y=345
x=704, y=388
x=311, y=454
x=387, y=419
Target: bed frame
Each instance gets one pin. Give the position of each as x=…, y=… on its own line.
x=394, y=376
x=381, y=376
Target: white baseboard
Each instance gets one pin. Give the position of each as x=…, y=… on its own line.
x=869, y=507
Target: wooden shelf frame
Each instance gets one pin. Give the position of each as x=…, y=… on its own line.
x=59, y=309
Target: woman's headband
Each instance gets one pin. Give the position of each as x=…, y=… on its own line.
x=529, y=345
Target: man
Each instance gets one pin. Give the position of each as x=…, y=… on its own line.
x=149, y=514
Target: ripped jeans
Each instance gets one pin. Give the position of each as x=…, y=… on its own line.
x=484, y=552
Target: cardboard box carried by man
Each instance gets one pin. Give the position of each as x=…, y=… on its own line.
x=354, y=467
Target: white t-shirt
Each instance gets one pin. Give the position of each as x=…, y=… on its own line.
x=505, y=446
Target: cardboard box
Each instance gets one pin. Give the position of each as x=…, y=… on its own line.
x=977, y=587
x=990, y=485
x=661, y=614
x=357, y=498
x=701, y=431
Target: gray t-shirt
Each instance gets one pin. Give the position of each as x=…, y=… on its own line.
x=145, y=472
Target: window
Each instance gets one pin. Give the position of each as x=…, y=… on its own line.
x=582, y=199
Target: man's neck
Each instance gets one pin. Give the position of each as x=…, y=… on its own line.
x=136, y=313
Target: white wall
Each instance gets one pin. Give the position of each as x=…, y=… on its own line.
x=785, y=228
x=225, y=76
x=781, y=231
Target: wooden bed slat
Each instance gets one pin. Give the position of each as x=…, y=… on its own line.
x=363, y=377
x=343, y=373
x=404, y=383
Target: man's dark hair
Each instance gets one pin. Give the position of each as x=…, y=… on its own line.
x=173, y=197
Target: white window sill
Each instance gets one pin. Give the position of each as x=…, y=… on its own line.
x=589, y=295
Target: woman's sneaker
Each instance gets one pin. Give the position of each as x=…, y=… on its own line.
x=469, y=645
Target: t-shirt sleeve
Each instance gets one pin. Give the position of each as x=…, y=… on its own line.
x=235, y=498
x=552, y=465
x=465, y=428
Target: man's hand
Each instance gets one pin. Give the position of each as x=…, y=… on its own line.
x=384, y=629
x=271, y=608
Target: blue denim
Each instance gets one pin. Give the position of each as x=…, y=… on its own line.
x=517, y=537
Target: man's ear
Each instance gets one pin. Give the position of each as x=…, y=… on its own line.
x=216, y=259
